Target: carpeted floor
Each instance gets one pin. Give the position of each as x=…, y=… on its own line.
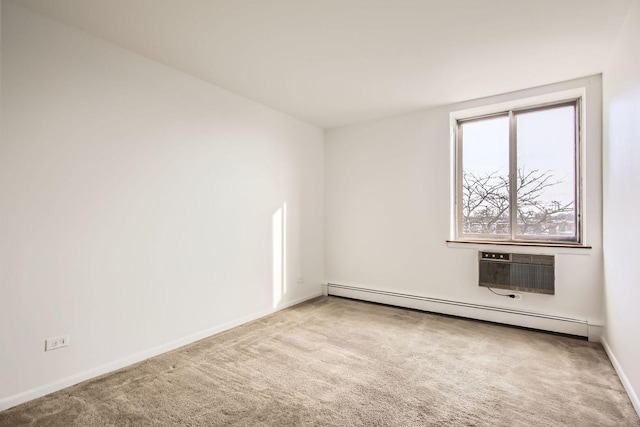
x=337, y=362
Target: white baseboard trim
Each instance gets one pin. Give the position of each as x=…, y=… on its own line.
x=623, y=377
x=545, y=322
x=11, y=401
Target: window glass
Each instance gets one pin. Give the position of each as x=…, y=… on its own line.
x=517, y=175
x=485, y=194
x=546, y=173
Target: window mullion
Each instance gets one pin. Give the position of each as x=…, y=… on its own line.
x=459, y=183
x=513, y=176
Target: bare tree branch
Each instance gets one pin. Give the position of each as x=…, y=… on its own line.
x=486, y=204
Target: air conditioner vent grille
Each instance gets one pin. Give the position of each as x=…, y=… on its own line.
x=521, y=272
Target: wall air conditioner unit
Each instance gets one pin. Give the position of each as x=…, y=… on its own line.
x=518, y=272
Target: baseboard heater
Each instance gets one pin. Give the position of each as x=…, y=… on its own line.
x=541, y=321
x=518, y=272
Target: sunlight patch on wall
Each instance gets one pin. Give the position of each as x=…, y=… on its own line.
x=279, y=229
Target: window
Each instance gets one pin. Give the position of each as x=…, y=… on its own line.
x=518, y=175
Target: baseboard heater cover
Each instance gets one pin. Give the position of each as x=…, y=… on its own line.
x=541, y=321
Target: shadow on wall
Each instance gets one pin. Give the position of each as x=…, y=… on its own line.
x=279, y=227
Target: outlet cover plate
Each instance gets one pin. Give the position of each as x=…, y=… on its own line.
x=56, y=343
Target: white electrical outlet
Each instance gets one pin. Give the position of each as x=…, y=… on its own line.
x=56, y=343
x=300, y=279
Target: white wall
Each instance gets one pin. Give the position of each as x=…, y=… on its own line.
x=387, y=213
x=621, y=185
x=137, y=206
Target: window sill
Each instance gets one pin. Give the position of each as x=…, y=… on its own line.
x=546, y=246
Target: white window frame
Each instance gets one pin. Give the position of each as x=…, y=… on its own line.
x=575, y=97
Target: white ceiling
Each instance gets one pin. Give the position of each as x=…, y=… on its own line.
x=337, y=62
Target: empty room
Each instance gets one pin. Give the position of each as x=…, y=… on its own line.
x=331, y=213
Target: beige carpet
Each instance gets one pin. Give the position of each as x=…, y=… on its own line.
x=339, y=362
